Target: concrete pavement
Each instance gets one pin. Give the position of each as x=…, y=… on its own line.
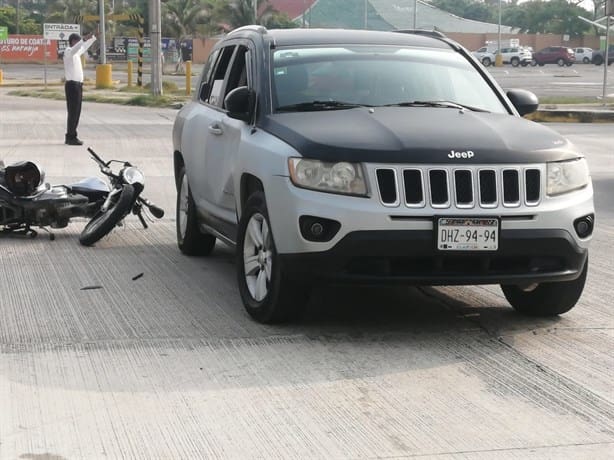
x=97, y=362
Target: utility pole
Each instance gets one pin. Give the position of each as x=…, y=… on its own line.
x=101, y=34
x=415, y=14
x=255, y=11
x=366, y=25
x=606, y=53
x=18, y=21
x=155, y=25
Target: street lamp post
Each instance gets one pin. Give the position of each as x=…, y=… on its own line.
x=499, y=57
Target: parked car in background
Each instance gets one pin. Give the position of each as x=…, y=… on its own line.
x=516, y=56
x=560, y=55
x=597, y=58
x=584, y=55
x=485, y=55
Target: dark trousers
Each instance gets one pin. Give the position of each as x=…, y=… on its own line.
x=74, y=96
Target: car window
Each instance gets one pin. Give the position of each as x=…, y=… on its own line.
x=206, y=75
x=215, y=96
x=378, y=75
x=238, y=75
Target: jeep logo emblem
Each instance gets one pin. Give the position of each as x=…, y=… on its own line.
x=455, y=154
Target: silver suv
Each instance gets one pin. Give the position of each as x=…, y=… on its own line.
x=376, y=157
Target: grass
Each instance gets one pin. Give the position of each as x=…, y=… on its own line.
x=552, y=100
x=172, y=98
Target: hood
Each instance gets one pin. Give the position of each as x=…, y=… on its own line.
x=418, y=135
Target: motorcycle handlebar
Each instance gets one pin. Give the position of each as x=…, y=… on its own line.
x=155, y=210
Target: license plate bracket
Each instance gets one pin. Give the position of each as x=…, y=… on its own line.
x=467, y=233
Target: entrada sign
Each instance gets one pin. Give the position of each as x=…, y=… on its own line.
x=60, y=31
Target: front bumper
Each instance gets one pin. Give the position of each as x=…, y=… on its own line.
x=411, y=257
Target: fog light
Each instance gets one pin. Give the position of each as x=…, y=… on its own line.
x=318, y=229
x=584, y=225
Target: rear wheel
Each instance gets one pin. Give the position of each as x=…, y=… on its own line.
x=190, y=239
x=515, y=62
x=533, y=62
x=268, y=295
x=103, y=222
x=598, y=60
x=546, y=299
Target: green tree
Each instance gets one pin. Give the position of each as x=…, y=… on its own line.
x=27, y=24
x=183, y=18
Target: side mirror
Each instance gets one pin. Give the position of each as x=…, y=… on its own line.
x=240, y=103
x=524, y=101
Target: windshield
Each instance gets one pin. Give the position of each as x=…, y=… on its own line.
x=375, y=76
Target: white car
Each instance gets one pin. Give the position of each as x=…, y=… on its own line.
x=516, y=56
x=485, y=56
x=584, y=55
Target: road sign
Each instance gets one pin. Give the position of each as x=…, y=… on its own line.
x=4, y=33
x=60, y=31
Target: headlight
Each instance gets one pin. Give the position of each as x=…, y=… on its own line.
x=343, y=177
x=133, y=176
x=566, y=176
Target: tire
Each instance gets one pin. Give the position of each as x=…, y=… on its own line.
x=524, y=63
x=560, y=62
x=586, y=60
x=486, y=62
x=515, y=62
x=191, y=241
x=569, y=64
x=541, y=64
x=547, y=299
x=598, y=60
x=267, y=294
x=103, y=222
x=533, y=63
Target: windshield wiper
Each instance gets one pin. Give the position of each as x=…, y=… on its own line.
x=319, y=105
x=449, y=104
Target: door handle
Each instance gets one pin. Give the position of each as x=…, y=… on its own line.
x=216, y=129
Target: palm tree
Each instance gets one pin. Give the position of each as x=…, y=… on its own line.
x=182, y=18
x=237, y=13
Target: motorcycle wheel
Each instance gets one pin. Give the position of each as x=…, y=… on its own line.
x=103, y=222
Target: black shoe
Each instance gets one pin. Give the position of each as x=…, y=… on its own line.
x=73, y=141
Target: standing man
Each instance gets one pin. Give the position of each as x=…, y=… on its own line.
x=73, y=87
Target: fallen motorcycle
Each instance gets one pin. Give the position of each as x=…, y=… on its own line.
x=27, y=202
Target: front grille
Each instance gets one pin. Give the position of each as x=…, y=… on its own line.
x=444, y=187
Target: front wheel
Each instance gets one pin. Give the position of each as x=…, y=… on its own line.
x=486, y=62
x=547, y=299
x=267, y=294
x=560, y=62
x=586, y=60
x=515, y=62
x=103, y=222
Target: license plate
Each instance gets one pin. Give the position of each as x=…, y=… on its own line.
x=467, y=234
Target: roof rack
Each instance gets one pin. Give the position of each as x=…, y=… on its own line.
x=253, y=27
x=428, y=33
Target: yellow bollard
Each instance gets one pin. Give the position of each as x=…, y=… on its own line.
x=1, y=76
x=188, y=77
x=499, y=60
x=104, y=76
x=129, y=73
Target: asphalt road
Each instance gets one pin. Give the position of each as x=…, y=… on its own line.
x=97, y=364
x=579, y=80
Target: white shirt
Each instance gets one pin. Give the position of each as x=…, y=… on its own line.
x=72, y=59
